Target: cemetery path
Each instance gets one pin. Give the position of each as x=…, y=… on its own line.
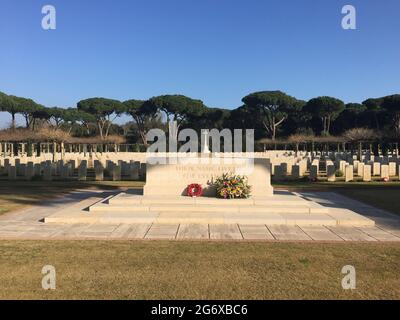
x=28, y=224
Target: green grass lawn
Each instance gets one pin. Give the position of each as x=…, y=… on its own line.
x=197, y=270
x=378, y=194
x=384, y=198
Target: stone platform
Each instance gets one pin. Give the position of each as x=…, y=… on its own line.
x=283, y=208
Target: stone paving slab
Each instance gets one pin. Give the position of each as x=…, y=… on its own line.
x=225, y=231
x=393, y=231
x=308, y=219
x=122, y=231
x=351, y=234
x=379, y=234
x=320, y=233
x=95, y=228
x=193, y=231
x=138, y=231
x=162, y=231
x=71, y=231
x=41, y=231
x=198, y=232
x=14, y=235
x=286, y=232
x=17, y=227
x=256, y=232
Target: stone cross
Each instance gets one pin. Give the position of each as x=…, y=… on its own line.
x=204, y=146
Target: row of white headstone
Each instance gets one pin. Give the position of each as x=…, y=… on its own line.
x=47, y=170
x=297, y=168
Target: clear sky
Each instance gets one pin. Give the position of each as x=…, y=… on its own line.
x=214, y=50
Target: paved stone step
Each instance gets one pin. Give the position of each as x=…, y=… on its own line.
x=255, y=218
x=310, y=209
x=289, y=200
x=193, y=211
x=205, y=201
x=347, y=217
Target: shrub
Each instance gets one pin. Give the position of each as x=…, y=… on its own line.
x=339, y=173
x=360, y=134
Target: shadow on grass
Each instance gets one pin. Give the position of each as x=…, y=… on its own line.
x=17, y=194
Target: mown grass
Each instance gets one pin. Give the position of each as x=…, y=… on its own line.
x=197, y=270
x=376, y=193
x=384, y=198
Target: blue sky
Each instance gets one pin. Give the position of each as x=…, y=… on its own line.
x=214, y=50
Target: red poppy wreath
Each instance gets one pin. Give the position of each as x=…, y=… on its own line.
x=194, y=190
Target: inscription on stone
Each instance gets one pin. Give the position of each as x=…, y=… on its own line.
x=202, y=171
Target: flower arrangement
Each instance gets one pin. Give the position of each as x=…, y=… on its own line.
x=194, y=190
x=230, y=186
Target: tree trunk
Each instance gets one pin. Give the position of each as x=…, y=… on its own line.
x=87, y=128
x=27, y=121
x=100, y=129
x=273, y=132
x=144, y=139
x=324, y=125
x=12, y=120
x=107, y=129
x=328, y=125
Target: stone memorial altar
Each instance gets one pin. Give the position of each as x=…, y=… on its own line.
x=164, y=199
x=172, y=179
